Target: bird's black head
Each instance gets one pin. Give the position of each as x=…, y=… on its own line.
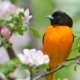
x=60, y=18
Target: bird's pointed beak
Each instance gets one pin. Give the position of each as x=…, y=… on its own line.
x=49, y=16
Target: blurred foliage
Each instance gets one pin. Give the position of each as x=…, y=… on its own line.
x=41, y=8
x=9, y=67
x=17, y=2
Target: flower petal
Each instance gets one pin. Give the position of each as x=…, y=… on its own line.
x=26, y=52
x=30, y=16
x=46, y=59
x=26, y=13
x=21, y=57
x=18, y=10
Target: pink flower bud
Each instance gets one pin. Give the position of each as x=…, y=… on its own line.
x=5, y=32
x=11, y=76
x=11, y=9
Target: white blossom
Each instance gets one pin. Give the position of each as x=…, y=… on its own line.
x=7, y=9
x=18, y=10
x=21, y=74
x=27, y=17
x=3, y=7
x=33, y=57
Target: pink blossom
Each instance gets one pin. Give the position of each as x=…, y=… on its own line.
x=11, y=76
x=6, y=32
x=11, y=9
x=27, y=17
x=3, y=8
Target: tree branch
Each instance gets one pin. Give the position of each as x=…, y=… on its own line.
x=10, y=51
x=77, y=57
x=58, y=68
x=49, y=72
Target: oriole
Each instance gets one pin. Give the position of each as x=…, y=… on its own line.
x=58, y=39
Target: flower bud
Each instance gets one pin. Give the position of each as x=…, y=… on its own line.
x=5, y=32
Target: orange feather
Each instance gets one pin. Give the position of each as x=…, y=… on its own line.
x=57, y=44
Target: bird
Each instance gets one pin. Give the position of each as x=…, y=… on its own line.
x=57, y=40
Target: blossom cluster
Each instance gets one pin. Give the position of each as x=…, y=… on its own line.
x=11, y=10
x=33, y=58
x=8, y=13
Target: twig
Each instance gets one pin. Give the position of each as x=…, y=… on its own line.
x=11, y=52
x=77, y=57
x=58, y=68
x=47, y=73
x=1, y=44
x=31, y=75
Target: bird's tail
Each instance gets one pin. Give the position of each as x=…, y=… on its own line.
x=50, y=77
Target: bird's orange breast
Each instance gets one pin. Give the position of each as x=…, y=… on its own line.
x=57, y=44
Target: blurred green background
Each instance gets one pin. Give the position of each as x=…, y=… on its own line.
x=39, y=9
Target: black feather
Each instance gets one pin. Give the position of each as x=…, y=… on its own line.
x=61, y=18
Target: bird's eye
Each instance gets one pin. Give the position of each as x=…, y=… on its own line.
x=58, y=17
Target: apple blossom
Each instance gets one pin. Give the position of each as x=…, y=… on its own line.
x=33, y=57
x=7, y=9
x=5, y=32
x=27, y=17
x=4, y=5
x=18, y=10
x=11, y=9
x=21, y=74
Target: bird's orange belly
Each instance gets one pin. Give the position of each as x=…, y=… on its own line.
x=57, y=44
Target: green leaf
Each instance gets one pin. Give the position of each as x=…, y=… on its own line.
x=77, y=35
x=23, y=66
x=35, y=32
x=20, y=30
x=10, y=66
x=21, y=14
x=12, y=20
x=24, y=29
x=6, y=45
x=15, y=19
x=40, y=68
x=44, y=66
x=16, y=61
x=1, y=21
x=71, y=63
x=16, y=2
x=13, y=1
x=79, y=49
x=7, y=68
x=75, y=67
